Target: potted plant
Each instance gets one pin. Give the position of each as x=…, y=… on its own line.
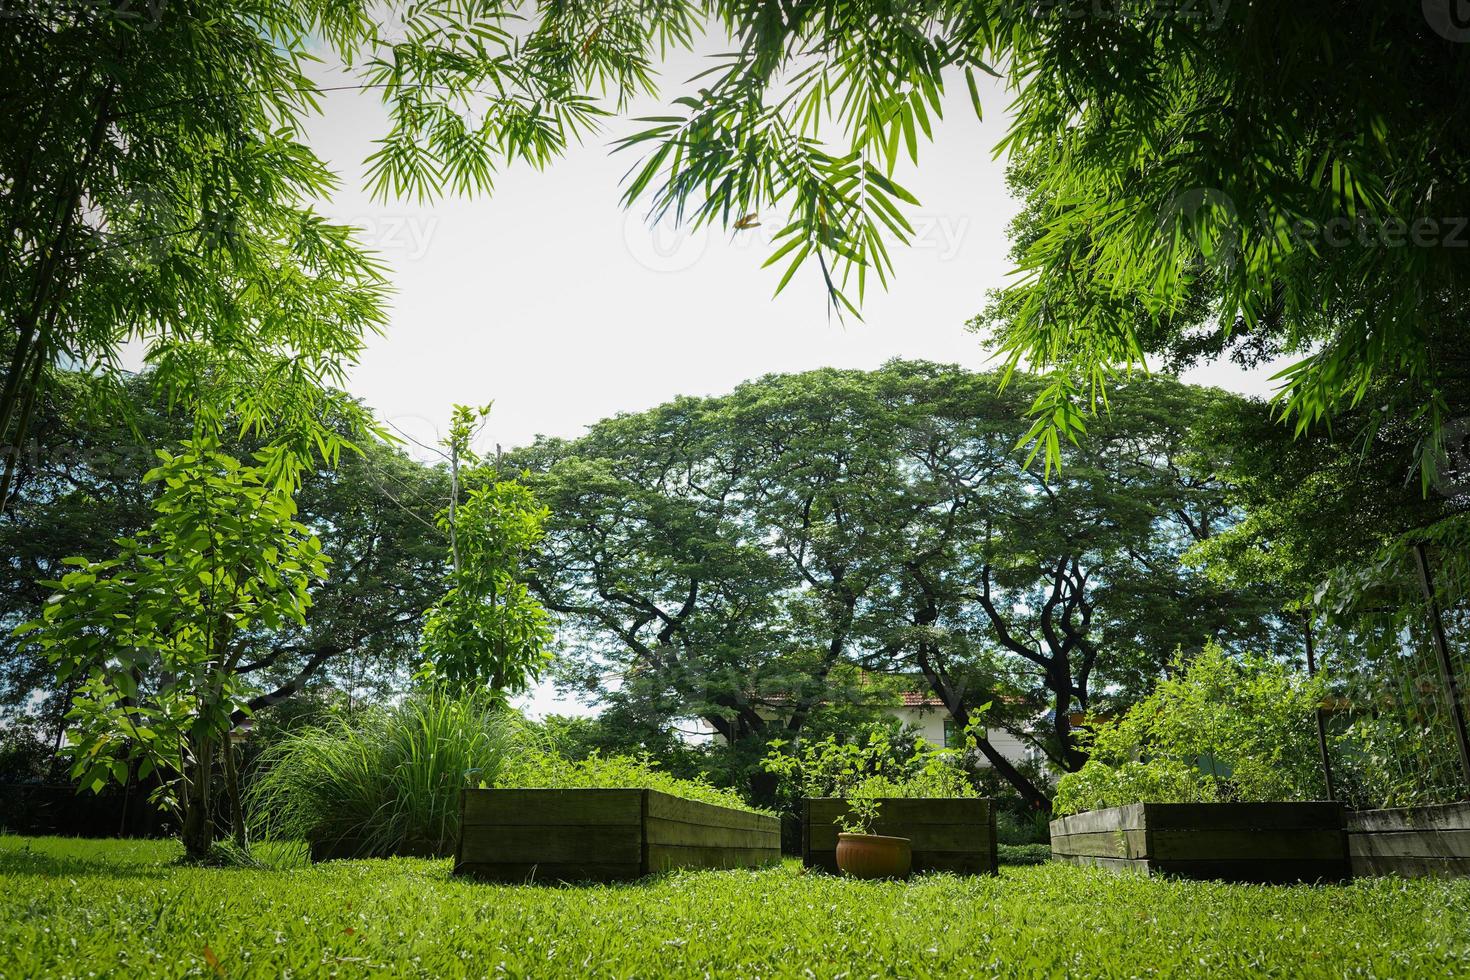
x=872, y=793
x=864, y=854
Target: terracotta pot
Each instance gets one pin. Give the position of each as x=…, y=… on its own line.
x=874, y=856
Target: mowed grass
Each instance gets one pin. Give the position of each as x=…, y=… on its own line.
x=126, y=909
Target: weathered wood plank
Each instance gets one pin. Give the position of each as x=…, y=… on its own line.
x=1448, y=816
x=1204, y=816
x=1264, y=842
x=1136, y=866
x=524, y=844
x=593, y=834
x=1127, y=844
x=1410, y=866
x=1254, y=845
x=662, y=831
x=521, y=872
x=1243, y=816
x=667, y=857
x=552, y=807
x=1097, y=821
x=1412, y=843
x=666, y=807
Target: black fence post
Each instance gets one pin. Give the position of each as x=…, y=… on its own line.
x=1442, y=654
x=1321, y=722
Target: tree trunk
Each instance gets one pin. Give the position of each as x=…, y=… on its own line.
x=1060, y=681
x=32, y=317
x=232, y=786
x=198, y=829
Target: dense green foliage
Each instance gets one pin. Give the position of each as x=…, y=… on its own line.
x=1261, y=179
x=82, y=488
x=1376, y=635
x=864, y=768
x=387, y=781
x=150, y=636
x=142, y=914
x=536, y=767
x=1219, y=728
x=488, y=629
x=1334, y=523
x=160, y=188
x=1023, y=853
x=1151, y=227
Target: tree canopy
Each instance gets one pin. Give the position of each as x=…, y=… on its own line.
x=159, y=188
x=1251, y=177
x=734, y=557
x=81, y=489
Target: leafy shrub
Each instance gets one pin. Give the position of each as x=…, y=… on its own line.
x=387, y=781
x=1220, y=729
x=866, y=771
x=536, y=767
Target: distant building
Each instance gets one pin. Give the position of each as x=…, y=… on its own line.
x=926, y=713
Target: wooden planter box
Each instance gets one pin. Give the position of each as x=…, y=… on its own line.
x=604, y=835
x=1258, y=842
x=1412, y=842
x=947, y=835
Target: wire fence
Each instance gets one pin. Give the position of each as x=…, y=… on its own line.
x=1396, y=648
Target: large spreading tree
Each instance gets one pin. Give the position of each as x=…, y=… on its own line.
x=735, y=555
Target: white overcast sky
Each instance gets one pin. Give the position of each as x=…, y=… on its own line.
x=550, y=299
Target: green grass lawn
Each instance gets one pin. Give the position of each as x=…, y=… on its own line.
x=125, y=909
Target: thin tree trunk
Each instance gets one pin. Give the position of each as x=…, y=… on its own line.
x=13, y=449
x=198, y=828
x=232, y=785
x=30, y=318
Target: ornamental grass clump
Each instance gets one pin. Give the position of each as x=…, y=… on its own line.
x=387, y=781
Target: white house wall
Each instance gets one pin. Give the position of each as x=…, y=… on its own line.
x=930, y=723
